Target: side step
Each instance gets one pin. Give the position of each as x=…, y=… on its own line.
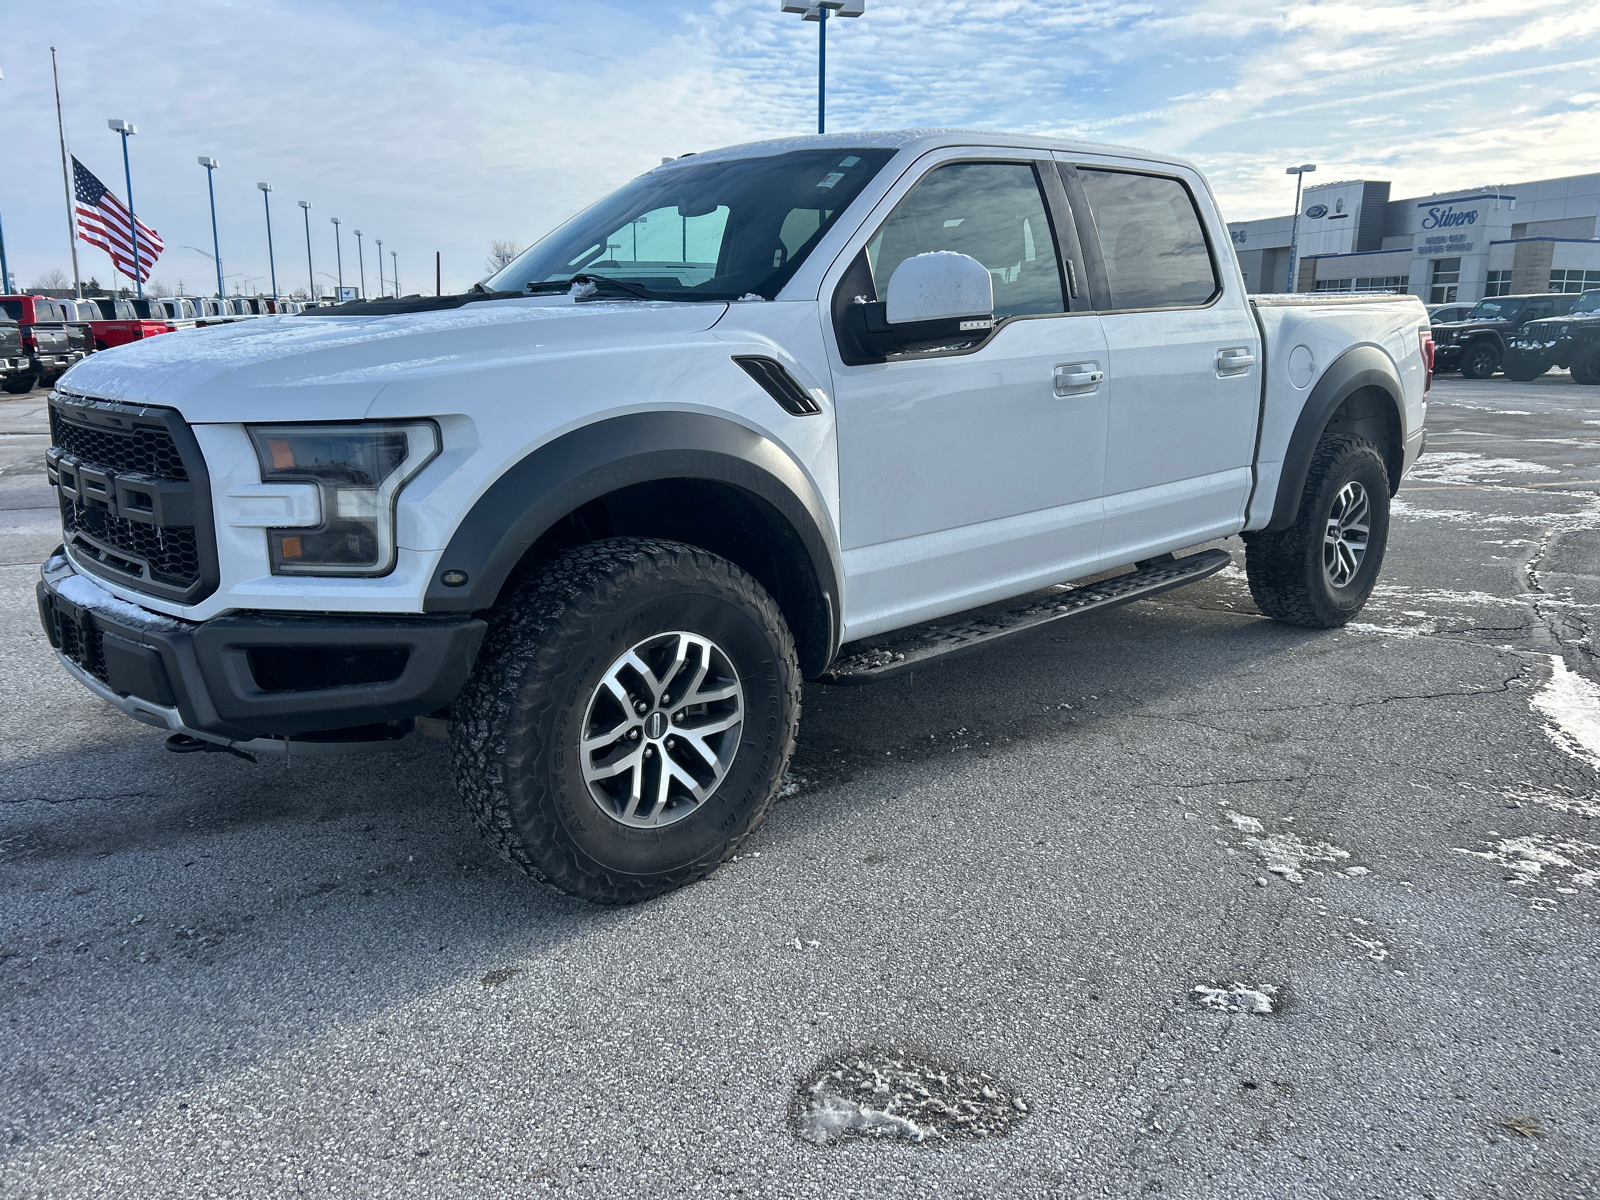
x=922, y=645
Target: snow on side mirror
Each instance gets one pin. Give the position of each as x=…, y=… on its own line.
x=941, y=286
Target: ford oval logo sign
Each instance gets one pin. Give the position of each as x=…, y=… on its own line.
x=1317, y=210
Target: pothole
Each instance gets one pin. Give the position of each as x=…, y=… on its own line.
x=896, y=1095
x=1259, y=999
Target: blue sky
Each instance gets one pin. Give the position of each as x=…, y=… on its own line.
x=441, y=126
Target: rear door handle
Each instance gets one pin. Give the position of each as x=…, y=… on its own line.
x=1078, y=379
x=1235, y=361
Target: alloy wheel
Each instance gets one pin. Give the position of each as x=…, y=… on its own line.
x=661, y=730
x=1344, y=544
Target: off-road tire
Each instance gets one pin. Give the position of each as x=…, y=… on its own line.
x=1285, y=568
x=1586, y=366
x=1519, y=369
x=1480, y=360
x=515, y=728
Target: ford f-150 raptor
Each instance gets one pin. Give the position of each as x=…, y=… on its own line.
x=761, y=415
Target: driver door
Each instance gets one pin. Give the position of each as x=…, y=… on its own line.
x=971, y=474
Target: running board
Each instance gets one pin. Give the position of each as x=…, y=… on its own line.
x=922, y=645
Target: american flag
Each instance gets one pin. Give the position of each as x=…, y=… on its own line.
x=103, y=221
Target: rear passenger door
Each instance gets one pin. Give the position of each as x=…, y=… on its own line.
x=1182, y=381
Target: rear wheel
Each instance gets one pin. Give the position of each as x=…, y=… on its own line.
x=1481, y=360
x=630, y=719
x=1319, y=572
x=18, y=384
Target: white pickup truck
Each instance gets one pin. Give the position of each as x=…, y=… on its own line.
x=761, y=415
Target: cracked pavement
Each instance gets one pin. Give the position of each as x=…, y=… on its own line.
x=225, y=979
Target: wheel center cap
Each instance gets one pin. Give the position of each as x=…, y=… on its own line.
x=655, y=725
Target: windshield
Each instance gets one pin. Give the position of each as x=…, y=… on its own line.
x=1587, y=303
x=704, y=231
x=1495, y=310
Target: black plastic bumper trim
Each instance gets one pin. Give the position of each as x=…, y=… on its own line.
x=203, y=670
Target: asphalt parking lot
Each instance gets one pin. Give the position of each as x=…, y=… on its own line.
x=1233, y=909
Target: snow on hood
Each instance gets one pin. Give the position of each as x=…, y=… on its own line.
x=330, y=367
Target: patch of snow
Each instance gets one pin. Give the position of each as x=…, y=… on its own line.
x=751, y=298
x=86, y=593
x=1586, y=807
x=1529, y=857
x=791, y=786
x=1392, y=630
x=1459, y=466
x=582, y=290
x=1236, y=997
x=1377, y=949
x=879, y=1094
x=1286, y=854
x=1570, y=705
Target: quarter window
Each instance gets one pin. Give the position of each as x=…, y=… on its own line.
x=1151, y=240
x=990, y=211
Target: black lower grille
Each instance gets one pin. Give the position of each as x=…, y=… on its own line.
x=171, y=555
x=134, y=496
x=81, y=642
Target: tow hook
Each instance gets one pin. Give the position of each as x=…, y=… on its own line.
x=182, y=743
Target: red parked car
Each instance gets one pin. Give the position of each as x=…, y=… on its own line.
x=45, y=340
x=121, y=323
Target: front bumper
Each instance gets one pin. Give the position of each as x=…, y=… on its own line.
x=246, y=677
x=1446, y=357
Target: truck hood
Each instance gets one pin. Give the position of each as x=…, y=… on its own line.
x=316, y=367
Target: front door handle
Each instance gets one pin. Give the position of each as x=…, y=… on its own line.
x=1235, y=361
x=1078, y=379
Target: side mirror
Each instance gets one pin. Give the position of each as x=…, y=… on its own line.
x=941, y=286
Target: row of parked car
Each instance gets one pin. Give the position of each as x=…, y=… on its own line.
x=1523, y=336
x=40, y=336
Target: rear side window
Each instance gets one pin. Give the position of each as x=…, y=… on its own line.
x=13, y=309
x=1151, y=240
x=993, y=212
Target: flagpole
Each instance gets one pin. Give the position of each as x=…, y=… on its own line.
x=66, y=186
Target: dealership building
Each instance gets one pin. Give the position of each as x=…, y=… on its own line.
x=1451, y=246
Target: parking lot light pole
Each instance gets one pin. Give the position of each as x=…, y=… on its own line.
x=210, y=164
x=361, y=259
x=381, y=292
x=5, y=271
x=818, y=12
x=311, y=274
x=338, y=255
x=394, y=275
x=272, y=263
x=1299, y=174
x=126, y=130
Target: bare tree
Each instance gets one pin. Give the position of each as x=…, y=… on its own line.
x=157, y=288
x=53, y=279
x=501, y=252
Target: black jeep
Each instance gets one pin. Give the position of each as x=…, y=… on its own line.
x=1477, y=346
x=1572, y=341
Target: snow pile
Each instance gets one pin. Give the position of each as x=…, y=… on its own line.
x=874, y=1093
x=1236, y=997
x=1571, y=706
x=1456, y=466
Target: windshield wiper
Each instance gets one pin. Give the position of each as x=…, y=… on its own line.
x=601, y=283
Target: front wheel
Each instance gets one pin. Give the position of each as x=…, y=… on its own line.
x=1586, y=367
x=630, y=718
x=1524, y=369
x=1480, y=361
x=1319, y=572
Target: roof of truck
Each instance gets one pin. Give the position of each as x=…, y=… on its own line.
x=919, y=141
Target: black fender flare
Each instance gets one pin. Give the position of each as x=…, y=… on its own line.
x=1358, y=367
x=561, y=476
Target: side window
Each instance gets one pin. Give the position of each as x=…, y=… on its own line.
x=1151, y=240
x=991, y=211
x=1539, y=309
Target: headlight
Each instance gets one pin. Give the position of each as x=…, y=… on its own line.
x=359, y=467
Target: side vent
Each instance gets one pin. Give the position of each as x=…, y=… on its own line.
x=779, y=384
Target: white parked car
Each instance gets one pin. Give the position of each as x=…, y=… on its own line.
x=759, y=416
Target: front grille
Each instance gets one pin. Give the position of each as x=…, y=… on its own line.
x=134, y=497
x=143, y=450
